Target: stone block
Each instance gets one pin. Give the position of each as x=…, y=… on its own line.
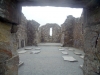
x=82, y=57
x=22, y=52
x=12, y=66
x=64, y=52
x=77, y=53
x=69, y=58
x=61, y=49
x=28, y=48
x=36, y=52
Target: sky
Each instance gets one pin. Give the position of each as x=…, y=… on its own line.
x=49, y=14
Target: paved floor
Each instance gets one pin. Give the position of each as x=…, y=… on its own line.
x=49, y=62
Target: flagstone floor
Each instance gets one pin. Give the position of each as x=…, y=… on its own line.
x=49, y=61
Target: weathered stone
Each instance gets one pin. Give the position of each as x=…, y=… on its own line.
x=67, y=32
x=78, y=33
x=91, y=41
x=22, y=52
x=64, y=52
x=72, y=32
x=36, y=52
x=12, y=66
x=32, y=33
x=28, y=48
x=10, y=11
x=77, y=53
x=8, y=51
x=82, y=57
x=61, y=49
x=69, y=58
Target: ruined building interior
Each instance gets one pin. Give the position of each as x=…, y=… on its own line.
x=16, y=32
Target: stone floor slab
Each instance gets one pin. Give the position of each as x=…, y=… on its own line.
x=69, y=58
x=64, y=52
x=36, y=52
x=28, y=48
x=77, y=53
x=22, y=52
x=49, y=62
x=81, y=66
x=82, y=57
x=61, y=49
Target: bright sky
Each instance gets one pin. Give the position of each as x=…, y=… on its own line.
x=48, y=14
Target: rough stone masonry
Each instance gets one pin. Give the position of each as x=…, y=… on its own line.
x=22, y=33
x=32, y=33
x=72, y=32
x=10, y=13
x=45, y=33
x=8, y=55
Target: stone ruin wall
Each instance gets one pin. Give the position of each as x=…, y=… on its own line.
x=91, y=27
x=72, y=32
x=22, y=33
x=32, y=33
x=27, y=33
x=13, y=37
x=45, y=33
x=67, y=31
x=78, y=33
x=8, y=45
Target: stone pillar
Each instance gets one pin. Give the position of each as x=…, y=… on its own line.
x=92, y=40
x=68, y=33
x=8, y=55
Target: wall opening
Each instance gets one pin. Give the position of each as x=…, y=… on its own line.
x=50, y=32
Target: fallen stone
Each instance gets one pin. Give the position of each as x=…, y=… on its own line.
x=22, y=52
x=20, y=63
x=81, y=66
x=36, y=52
x=63, y=52
x=28, y=48
x=37, y=48
x=77, y=53
x=82, y=57
x=69, y=58
x=61, y=49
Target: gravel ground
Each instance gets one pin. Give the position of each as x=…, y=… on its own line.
x=49, y=62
